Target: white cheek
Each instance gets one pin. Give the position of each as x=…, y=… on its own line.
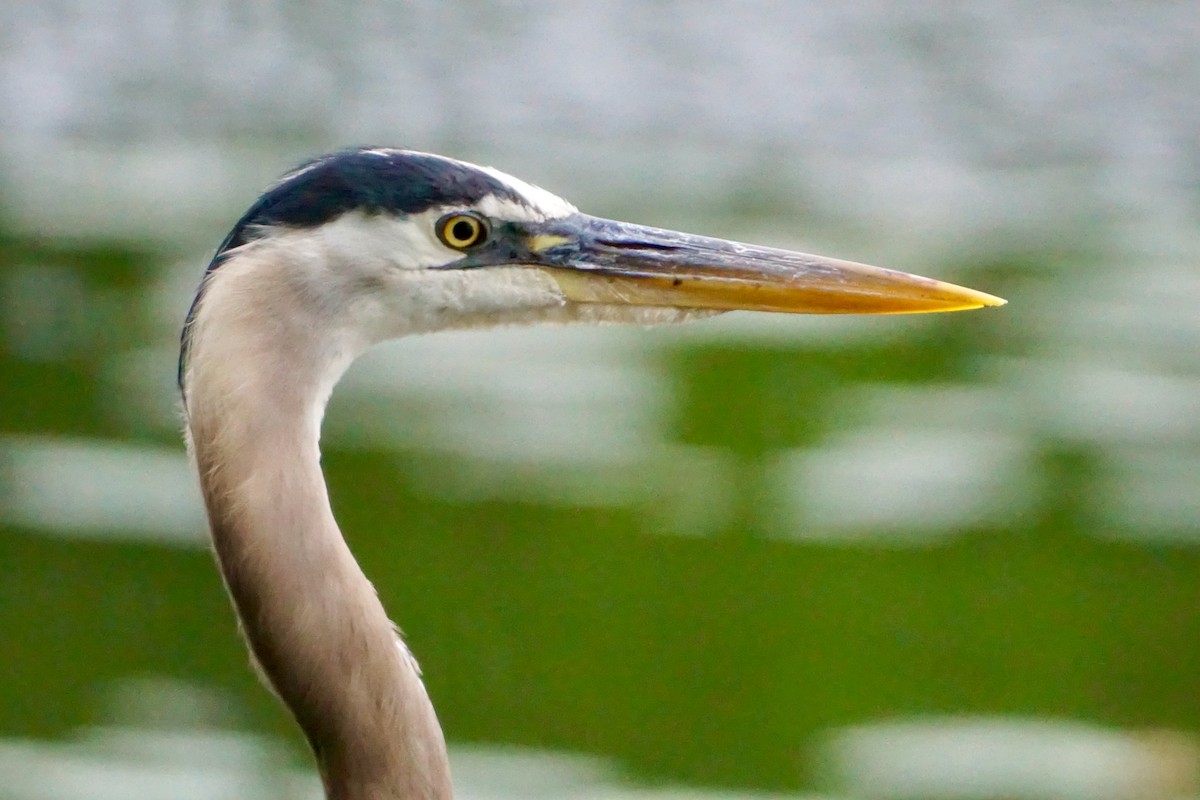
x=377, y=241
x=429, y=300
x=485, y=292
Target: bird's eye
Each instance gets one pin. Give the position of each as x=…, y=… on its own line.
x=462, y=231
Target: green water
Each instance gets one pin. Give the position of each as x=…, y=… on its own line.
x=718, y=652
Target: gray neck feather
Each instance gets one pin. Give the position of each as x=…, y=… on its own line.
x=260, y=371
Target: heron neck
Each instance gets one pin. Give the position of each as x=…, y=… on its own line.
x=312, y=620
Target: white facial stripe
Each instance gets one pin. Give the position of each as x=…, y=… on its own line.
x=546, y=204
x=504, y=209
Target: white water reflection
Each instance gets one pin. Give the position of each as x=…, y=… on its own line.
x=95, y=489
x=915, y=119
x=1140, y=312
x=1152, y=494
x=517, y=395
x=899, y=485
x=1009, y=757
x=1093, y=400
x=583, y=419
x=138, y=764
x=175, y=741
x=133, y=764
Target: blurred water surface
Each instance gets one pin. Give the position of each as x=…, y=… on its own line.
x=920, y=556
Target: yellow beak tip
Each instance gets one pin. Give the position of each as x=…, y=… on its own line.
x=960, y=298
x=989, y=300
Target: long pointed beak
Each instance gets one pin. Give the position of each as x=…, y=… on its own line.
x=597, y=260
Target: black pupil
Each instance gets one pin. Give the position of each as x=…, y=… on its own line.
x=462, y=231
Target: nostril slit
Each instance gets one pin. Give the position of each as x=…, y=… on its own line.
x=617, y=244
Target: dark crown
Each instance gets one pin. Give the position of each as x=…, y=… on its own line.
x=369, y=180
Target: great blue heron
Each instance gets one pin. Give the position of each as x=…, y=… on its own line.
x=369, y=244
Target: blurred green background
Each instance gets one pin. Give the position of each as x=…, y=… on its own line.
x=952, y=555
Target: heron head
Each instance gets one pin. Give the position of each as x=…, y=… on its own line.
x=398, y=241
